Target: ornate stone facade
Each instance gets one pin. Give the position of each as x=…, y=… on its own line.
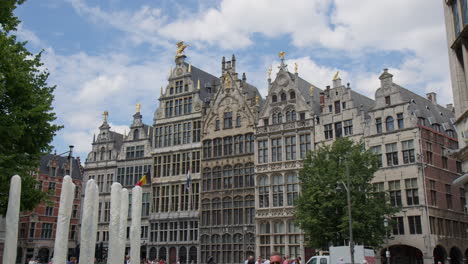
x=227, y=230
x=173, y=233
x=283, y=138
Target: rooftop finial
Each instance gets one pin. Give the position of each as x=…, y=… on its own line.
x=336, y=77
x=198, y=84
x=190, y=67
x=295, y=67
x=161, y=91
x=281, y=56
x=105, y=116
x=180, y=49
x=269, y=72
x=138, y=107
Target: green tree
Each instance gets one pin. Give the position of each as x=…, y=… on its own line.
x=321, y=209
x=26, y=116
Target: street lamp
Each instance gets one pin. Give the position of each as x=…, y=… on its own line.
x=387, y=251
x=348, y=198
x=70, y=157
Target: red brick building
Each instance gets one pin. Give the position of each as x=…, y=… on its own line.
x=37, y=228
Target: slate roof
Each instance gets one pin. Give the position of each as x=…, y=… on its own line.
x=304, y=87
x=360, y=99
x=62, y=160
x=206, y=80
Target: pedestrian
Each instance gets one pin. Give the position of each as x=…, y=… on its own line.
x=259, y=260
x=276, y=258
x=211, y=260
x=127, y=259
x=251, y=260
x=286, y=260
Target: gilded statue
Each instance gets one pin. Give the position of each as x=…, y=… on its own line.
x=281, y=55
x=180, y=48
x=311, y=89
x=336, y=77
x=295, y=67
x=256, y=99
x=105, y=115
x=138, y=107
x=227, y=82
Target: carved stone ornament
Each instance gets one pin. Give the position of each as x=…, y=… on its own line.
x=283, y=80
x=179, y=71
x=197, y=107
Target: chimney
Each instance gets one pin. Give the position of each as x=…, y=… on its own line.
x=386, y=79
x=450, y=107
x=322, y=101
x=244, y=78
x=233, y=63
x=223, y=64
x=432, y=97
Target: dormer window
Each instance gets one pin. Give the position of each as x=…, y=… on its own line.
x=337, y=107
x=436, y=127
x=292, y=95
x=283, y=97
x=450, y=133
x=421, y=121
x=227, y=120
x=274, y=98
x=343, y=105
x=265, y=122
x=387, y=100
x=178, y=86
x=53, y=171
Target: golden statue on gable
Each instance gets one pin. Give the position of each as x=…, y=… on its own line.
x=105, y=115
x=180, y=48
x=227, y=82
x=281, y=55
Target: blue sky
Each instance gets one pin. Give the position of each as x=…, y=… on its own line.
x=111, y=54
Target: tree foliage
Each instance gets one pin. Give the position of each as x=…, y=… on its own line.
x=26, y=116
x=321, y=209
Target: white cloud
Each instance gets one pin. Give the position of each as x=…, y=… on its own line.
x=27, y=35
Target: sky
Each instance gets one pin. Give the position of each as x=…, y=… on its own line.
x=109, y=55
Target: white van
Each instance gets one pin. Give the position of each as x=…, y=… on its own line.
x=319, y=260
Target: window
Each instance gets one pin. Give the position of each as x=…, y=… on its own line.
x=429, y=152
x=348, y=127
x=444, y=158
x=51, y=186
x=262, y=151
x=378, y=125
x=462, y=200
x=130, y=154
x=249, y=175
x=227, y=146
x=400, y=121
x=432, y=187
x=448, y=196
x=106, y=211
x=398, y=226
x=23, y=230
x=145, y=209
x=139, y=151
x=280, y=118
x=72, y=232
x=238, y=176
x=392, y=154
x=46, y=231
x=389, y=125
x=292, y=189
x=206, y=179
x=277, y=190
x=305, y=145
x=283, y=97
x=395, y=193
x=187, y=134
x=338, y=130
x=292, y=95
x=328, y=131
x=188, y=105
x=274, y=98
x=263, y=191
x=217, y=147
x=75, y=211
x=337, y=107
x=217, y=178
x=343, y=105
x=49, y=211
x=217, y=125
x=415, y=224
x=207, y=149
x=227, y=211
x=330, y=108
x=276, y=150
x=227, y=177
x=291, y=148
x=144, y=232
x=168, y=109
x=412, y=196
x=421, y=121
x=238, y=144
x=32, y=230
x=178, y=86
x=377, y=150
x=216, y=212
x=238, y=121
x=408, y=151
x=196, y=131
x=249, y=143
x=265, y=122
x=459, y=166
x=227, y=120
x=302, y=116
x=387, y=100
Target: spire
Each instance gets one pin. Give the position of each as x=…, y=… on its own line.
x=94, y=137
x=161, y=91
x=149, y=128
x=244, y=78
x=105, y=114
x=170, y=72
x=282, y=65
x=223, y=64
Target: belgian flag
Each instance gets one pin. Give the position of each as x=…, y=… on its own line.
x=146, y=177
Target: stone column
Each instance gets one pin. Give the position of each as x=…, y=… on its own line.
x=135, y=230
x=63, y=220
x=12, y=219
x=113, y=253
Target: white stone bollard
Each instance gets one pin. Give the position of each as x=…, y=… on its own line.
x=63, y=220
x=88, y=223
x=135, y=230
x=12, y=219
x=96, y=220
x=113, y=254
x=123, y=222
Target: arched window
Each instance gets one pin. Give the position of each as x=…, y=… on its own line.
x=292, y=95
x=278, y=190
x=263, y=191
x=204, y=248
x=288, y=116
x=274, y=98
x=238, y=211
x=227, y=211
x=217, y=178
x=389, y=124
x=216, y=212
x=283, y=97
x=216, y=247
x=206, y=179
x=227, y=250
x=280, y=118
x=182, y=255
x=275, y=119
x=279, y=231
x=249, y=174
x=265, y=239
x=162, y=253
x=238, y=176
x=293, y=115
x=206, y=204
x=249, y=209
x=237, y=248
x=103, y=154
x=136, y=134
x=227, y=177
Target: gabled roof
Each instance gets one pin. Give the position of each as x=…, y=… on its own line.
x=44, y=168
x=206, y=80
